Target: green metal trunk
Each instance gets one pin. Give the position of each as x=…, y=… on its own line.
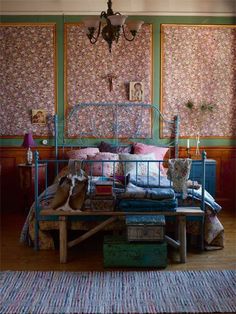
x=118, y=252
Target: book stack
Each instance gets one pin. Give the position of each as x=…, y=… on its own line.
x=103, y=199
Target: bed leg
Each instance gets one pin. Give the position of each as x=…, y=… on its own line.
x=202, y=234
x=36, y=235
x=63, y=238
x=182, y=238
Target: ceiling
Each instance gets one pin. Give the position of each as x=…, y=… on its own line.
x=130, y=7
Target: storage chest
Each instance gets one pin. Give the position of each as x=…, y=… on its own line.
x=145, y=227
x=118, y=252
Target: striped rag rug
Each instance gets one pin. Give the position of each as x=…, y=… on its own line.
x=118, y=292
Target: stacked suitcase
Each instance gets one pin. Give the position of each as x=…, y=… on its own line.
x=143, y=246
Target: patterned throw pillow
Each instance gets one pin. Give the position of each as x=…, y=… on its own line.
x=81, y=154
x=139, y=166
x=106, y=147
x=159, y=152
x=99, y=168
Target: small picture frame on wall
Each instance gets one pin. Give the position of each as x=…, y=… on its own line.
x=39, y=116
x=136, y=91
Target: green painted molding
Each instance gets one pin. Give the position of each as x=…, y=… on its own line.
x=156, y=21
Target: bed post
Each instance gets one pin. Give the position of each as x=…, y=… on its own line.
x=176, y=134
x=36, y=191
x=56, y=140
x=204, y=156
x=56, y=135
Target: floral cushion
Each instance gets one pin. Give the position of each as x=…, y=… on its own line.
x=142, y=167
x=81, y=154
x=99, y=168
x=159, y=152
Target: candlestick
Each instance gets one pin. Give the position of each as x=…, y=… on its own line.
x=187, y=143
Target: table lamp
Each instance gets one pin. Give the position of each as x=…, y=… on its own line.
x=27, y=143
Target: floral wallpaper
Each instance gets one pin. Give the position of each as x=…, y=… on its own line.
x=199, y=66
x=27, y=77
x=94, y=75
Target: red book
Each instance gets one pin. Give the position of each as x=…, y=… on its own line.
x=103, y=188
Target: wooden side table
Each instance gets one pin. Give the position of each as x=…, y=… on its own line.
x=27, y=180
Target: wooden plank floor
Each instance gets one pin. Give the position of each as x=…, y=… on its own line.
x=87, y=256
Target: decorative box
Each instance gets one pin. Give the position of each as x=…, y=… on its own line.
x=145, y=227
x=103, y=187
x=103, y=202
x=118, y=252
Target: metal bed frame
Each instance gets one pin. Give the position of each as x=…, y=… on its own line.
x=62, y=216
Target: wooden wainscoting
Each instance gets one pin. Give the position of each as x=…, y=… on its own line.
x=10, y=157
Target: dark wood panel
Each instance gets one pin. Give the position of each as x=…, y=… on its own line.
x=225, y=177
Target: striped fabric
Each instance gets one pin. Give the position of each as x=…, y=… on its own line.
x=118, y=292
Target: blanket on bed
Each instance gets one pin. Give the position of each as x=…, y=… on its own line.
x=142, y=183
x=136, y=189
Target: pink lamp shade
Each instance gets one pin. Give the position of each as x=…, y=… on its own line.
x=28, y=141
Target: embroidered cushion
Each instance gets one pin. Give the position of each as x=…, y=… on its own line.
x=159, y=152
x=81, y=154
x=106, y=147
x=142, y=167
x=99, y=168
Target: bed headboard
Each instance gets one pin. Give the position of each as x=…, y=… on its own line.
x=122, y=123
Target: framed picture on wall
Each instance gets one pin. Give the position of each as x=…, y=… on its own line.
x=136, y=91
x=39, y=116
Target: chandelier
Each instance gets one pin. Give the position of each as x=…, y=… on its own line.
x=113, y=28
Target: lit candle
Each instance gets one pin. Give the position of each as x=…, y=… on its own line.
x=187, y=143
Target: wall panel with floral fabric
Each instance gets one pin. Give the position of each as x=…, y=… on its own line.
x=198, y=78
x=94, y=75
x=27, y=77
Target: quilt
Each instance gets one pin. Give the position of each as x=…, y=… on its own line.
x=139, y=189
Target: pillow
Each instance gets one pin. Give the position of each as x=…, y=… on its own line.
x=142, y=166
x=107, y=168
x=81, y=154
x=159, y=152
x=106, y=147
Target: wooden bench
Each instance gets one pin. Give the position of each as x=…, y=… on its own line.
x=181, y=213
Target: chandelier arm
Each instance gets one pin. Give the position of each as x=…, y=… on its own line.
x=129, y=39
x=103, y=14
x=94, y=39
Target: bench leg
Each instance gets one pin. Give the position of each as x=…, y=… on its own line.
x=63, y=239
x=182, y=238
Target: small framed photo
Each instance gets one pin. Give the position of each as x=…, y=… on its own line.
x=136, y=91
x=39, y=116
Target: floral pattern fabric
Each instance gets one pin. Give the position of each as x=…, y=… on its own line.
x=88, y=69
x=199, y=64
x=27, y=77
x=178, y=172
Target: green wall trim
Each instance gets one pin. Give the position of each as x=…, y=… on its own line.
x=156, y=21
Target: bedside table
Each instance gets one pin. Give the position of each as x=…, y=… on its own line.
x=26, y=176
x=210, y=174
